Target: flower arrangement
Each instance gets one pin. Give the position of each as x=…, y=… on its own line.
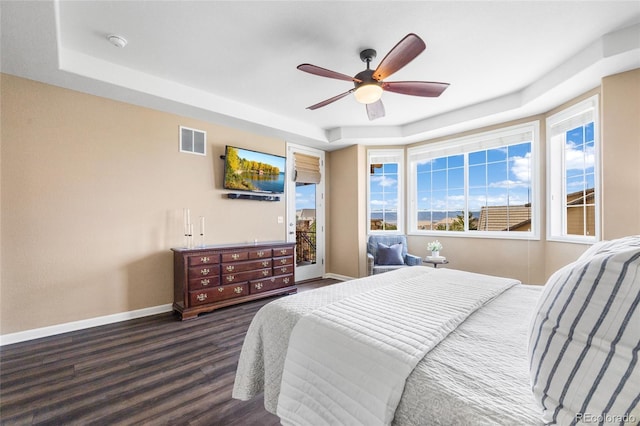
x=434, y=246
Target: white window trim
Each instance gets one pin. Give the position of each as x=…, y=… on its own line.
x=387, y=156
x=484, y=140
x=555, y=215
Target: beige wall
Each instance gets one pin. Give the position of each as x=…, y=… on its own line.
x=92, y=192
x=92, y=198
x=621, y=154
x=345, y=248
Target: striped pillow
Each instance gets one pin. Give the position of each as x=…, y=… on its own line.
x=585, y=338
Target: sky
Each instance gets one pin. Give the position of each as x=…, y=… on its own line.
x=497, y=177
x=305, y=197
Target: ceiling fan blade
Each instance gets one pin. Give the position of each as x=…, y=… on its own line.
x=322, y=72
x=330, y=100
x=375, y=110
x=430, y=89
x=402, y=53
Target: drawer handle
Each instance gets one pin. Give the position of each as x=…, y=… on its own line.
x=204, y=271
x=238, y=290
x=265, y=273
x=284, y=269
x=220, y=289
x=230, y=268
x=205, y=282
x=260, y=253
x=258, y=286
x=283, y=251
x=273, y=280
x=230, y=278
x=283, y=261
x=286, y=280
x=265, y=263
x=201, y=297
x=204, y=259
x=235, y=256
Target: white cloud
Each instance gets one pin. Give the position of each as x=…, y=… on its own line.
x=522, y=168
x=577, y=159
x=384, y=181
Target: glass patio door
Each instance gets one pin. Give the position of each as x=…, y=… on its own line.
x=305, y=210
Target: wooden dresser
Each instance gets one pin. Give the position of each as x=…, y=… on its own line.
x=211, y=277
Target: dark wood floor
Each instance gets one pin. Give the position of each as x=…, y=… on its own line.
x=153, y=370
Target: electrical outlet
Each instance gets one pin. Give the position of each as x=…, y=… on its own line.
x=280, y=219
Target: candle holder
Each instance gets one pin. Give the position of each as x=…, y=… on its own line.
x=189, y=241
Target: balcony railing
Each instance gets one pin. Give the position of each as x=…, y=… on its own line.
x=305, y=247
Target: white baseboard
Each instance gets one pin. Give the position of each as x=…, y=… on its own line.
x=52, y=330
x=37, y=333
x=338, y=277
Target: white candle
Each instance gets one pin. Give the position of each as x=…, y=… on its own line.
x=201, y=225
x=190, y=230
x=185, y=226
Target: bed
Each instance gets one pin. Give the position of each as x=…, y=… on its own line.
x=499, y=356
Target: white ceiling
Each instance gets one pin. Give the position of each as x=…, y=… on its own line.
x=234, y=62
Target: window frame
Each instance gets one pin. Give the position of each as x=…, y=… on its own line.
x=556, y=169
x=375, y=156
x=465, y=145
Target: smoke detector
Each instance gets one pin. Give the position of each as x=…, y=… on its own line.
x=116, y=40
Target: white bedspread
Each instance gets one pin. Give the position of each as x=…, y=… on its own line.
x=347, y=362
x=477, y=375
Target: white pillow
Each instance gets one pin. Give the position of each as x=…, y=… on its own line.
x=611, y=246
x=584, y=340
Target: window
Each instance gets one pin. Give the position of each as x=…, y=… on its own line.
x=573, y=187
x=385, y=203
x=479, y=185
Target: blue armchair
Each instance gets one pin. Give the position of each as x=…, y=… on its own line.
x=387, y=257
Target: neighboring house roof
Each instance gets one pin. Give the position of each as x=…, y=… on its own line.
x=504, y=218
x=306, y=214
x=581, y=197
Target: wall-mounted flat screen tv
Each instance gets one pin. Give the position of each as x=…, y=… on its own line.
x=253, y=171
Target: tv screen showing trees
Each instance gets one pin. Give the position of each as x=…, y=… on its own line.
x=247, y=170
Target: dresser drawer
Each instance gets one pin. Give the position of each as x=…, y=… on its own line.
x=246, y=276
x=228, y=268
x=205, y=282
x=283, y=270
x=258, y=286
x=224, y=292
x=234, y=256
x=203, y=271
x=281, y=261
x=259, y=253
x=204, y=259
x=284, y=251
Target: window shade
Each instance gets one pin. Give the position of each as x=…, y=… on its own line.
x=572, y=122
x=496, y=139
x=306, y=168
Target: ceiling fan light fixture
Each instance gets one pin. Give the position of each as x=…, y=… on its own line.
x=368, y=93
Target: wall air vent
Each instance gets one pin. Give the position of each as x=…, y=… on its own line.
x=193, y=141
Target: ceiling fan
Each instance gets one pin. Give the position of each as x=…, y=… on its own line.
x=369, y=83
